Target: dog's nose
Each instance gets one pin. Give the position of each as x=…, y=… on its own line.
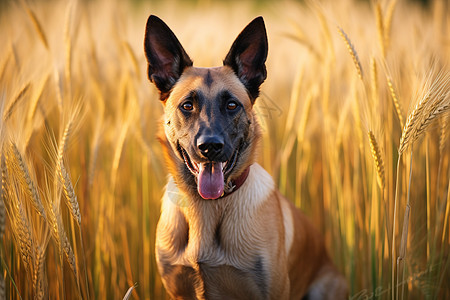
x=210, y=146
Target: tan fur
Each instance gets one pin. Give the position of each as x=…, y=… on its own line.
x=255, y=221
x=214, y=241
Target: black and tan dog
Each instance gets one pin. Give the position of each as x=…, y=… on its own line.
x=225, y=231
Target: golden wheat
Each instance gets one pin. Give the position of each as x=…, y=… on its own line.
x=22, y=230
x=376, y=154
x=443, y=135
x=35, y=100
x=14, y=103
x=68, y=43
x=19, y=167
x=380, y=28
x=82, y=65
x=70, y=255
x=60, y=236
x=39, y=281
x=352, y=51
x=3, y=194
x=69, y=193
x=435, y=102
x=388, y=23
x=374, y=77
x=396, y=101
x=2, y=286
x=37, y=25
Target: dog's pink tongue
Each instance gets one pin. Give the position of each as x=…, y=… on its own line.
x=210, y=180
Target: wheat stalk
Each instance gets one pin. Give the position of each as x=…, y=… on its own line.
x=388, y=23
x=403, y=244
x=443, y=135
x=5, y=61
x=352, y=51
x=14, y=103
x=301, y=129
x=435, y=102
x=2, y=286
x=326, y=31
x=68, y=43
x=376, y=154
x=94, y=151
x=3, y=193
x=36, y=24
x=58, y=89
x=34, y=103
x=374, y=75
x=380, y=27
x=396, y=101
x=133, y=57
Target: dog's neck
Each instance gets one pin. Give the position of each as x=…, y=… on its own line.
x=206, y=219
x=235, y=184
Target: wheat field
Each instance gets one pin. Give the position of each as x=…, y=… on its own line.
x=355, y=117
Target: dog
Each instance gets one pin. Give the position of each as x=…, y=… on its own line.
x=225, y=231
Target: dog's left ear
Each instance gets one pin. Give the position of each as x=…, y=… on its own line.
x=165, y=56
x=247, y=56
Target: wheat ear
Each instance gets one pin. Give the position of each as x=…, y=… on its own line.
x=435, y=102
x=70, y=256
x=58, y=233
x=352, y=51
x=20, y=167
x=23, y=231
x=376, y=154
x=129, y=292
x=396, y=101
x=69, y=194
x=39, y=286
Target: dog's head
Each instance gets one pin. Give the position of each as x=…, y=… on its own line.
x=209, y=124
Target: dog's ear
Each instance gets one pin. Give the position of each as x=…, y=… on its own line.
x=165, y=56
x=248, y=54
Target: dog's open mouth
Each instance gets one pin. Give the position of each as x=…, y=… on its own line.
x=210, y=175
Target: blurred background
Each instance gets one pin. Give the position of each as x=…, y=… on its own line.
x=83, y=174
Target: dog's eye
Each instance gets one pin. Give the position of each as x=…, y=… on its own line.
x=188, y=106
x=232, y=105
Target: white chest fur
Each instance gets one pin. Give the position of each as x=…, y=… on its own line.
x=218, y=231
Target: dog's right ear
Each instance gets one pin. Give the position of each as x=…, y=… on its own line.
x=165, y=56
x=248, y=55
